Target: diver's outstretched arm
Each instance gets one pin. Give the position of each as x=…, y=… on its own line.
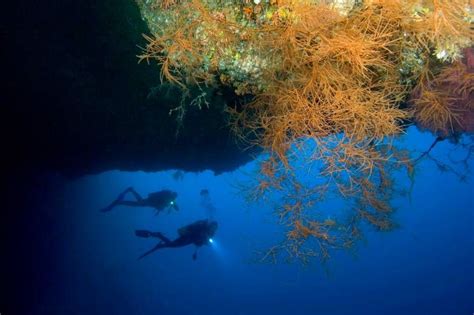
x=157, y=247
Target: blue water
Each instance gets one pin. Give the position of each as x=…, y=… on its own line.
x=423, y=267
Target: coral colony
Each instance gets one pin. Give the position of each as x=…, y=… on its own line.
x=329, y=87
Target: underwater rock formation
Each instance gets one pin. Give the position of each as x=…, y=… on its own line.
x=77, y=102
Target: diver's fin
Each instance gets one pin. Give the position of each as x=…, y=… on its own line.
x=142, y=233
x=108, y=208
x=120, y=198
x=157, y=247
x=111, y=206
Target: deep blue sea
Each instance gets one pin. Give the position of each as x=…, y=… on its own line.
x=423, y=267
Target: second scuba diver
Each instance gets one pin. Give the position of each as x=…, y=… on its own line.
x=198, y=233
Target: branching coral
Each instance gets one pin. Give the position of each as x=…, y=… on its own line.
x=444, y=102
x=331, y=76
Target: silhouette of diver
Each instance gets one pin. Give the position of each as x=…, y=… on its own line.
x=159, y=200
x=198, y=233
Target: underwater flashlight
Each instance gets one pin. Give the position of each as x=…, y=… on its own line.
x=171, y=202
x=211, y=240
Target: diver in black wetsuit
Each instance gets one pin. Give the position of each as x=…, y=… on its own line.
x=198, y=233
x=158, y=200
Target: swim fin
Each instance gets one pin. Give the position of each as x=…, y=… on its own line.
x=108, y=208
x=142, y=233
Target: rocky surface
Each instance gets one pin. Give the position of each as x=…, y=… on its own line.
x=78, y=103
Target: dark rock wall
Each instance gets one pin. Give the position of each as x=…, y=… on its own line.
x=74, y=101
x=77, y=102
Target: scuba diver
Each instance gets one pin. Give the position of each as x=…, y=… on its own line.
x=160, y=200
x=198, y=233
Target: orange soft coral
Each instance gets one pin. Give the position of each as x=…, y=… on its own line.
x=331, y=79
x=444, y=104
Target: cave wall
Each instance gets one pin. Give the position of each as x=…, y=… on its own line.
x=74, y=101
x=77, y=102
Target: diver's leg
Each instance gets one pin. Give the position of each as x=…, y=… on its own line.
x=157, y=247
x=165, y=242
x=123, y=203
x=146, y=234
x=130, y=203
x=180, y=242
x=161, y=237
x=117, y=201
x=109, y=207
x=143, y=233
x=135, y=194
x=114, y=203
